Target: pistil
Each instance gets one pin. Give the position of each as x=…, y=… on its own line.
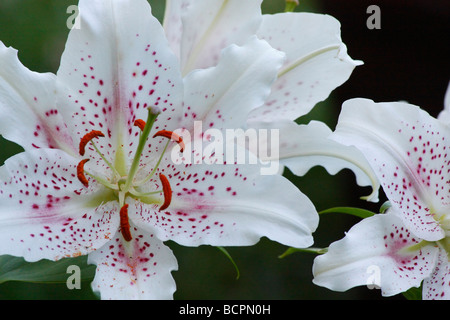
x=152, y=115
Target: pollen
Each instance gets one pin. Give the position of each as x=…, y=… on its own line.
x=172, y=136
x=88, y=137
x=167, y=190
x=124, y=223
x=80, y=173
x=140, y=124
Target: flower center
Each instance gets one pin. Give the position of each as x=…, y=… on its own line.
x=124, y=186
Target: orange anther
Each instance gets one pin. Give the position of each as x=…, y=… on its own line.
x=172, y=136
x=167, y=190
x=88, y=137
x=140, y=123
x=80, y=173
x=124, y=223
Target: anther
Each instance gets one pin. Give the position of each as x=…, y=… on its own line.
x=172, y=136
x=124, y=223
x=80, y=173
x=140, y=123
x=88, y=137
x=167, y=190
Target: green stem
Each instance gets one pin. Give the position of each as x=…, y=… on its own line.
x=152, y=115
x=361, y=213
x=290, y=5
x=139, y=194
x=102, y=181
x=308, y=250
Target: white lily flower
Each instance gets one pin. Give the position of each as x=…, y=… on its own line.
x=408, y=150
x=97, y=177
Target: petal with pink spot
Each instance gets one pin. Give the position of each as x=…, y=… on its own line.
x=223, y=96
x=44, y=211
x=228, y=204
x=317, y=62
x=27, y=100
x=139, y=269
x=377, y=251
x=408, y=150
x=437, y=287
x=113, y=69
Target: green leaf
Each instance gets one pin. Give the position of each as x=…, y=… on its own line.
x=413, y=293
x=308, y=250
x=17, y=269
x=361, y=213
x=225, y=252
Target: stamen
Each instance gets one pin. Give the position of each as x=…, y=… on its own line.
x=140, y=183
x=136, y=193
x=124, y=223
x=140, y=123
x=88, y=137
x=167, y=190
x=172, y=136
x=80, y=173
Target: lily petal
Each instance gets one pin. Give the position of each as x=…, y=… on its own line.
x=228, y=204
x=317, y=62
x=27, y=100
x=139, y=269
x=246, y=74
x=44, y=212
x=407, y=149
x=302, y=147
x=377, y=251
x=210, y=26
x=172, y=23
x=437, y=287
x=115, y=67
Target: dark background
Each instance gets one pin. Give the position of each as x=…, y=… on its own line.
x=407, y=59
